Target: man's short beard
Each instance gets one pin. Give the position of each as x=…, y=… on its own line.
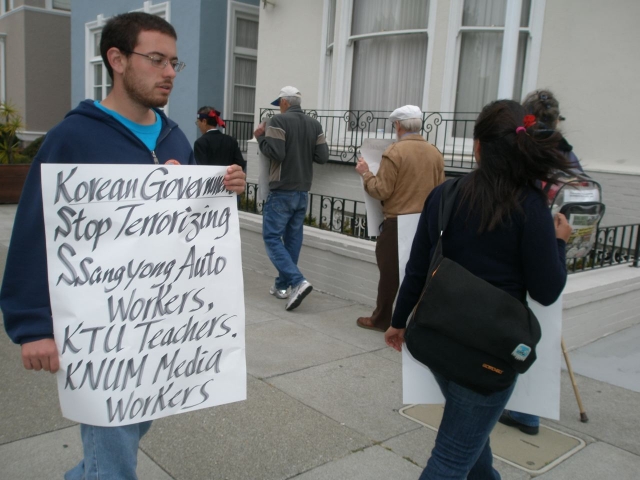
x=134, y=93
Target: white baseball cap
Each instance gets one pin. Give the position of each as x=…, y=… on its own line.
x=405, y=113
x=287, y=91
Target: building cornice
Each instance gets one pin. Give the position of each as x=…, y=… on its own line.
x=29, y=8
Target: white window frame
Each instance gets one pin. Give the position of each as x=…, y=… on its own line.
x=342, y=67
x=95, y=27
x=343, y=47
x=511, y=31
x=92, y=29
x=249, y=12
x=48, y=4
x=3, y=10
x=456, y=145
x=326, y=60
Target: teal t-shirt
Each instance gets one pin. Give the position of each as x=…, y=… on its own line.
x=147, y=133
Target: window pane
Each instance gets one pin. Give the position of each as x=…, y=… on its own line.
x=480, y=55
x=247, y=34
x=520, y=63
x=243, y=118
x=484, y=13
x=245, y=71
x=62, y=4
x=244, y=99
x=97, y=93
x=388, y=72
x=370, y=16
x=97, y=75
x=525, y=13
x=96, y=44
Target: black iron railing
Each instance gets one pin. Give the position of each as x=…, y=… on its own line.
x=241, y=131
x=334, y=214
x=345, y=131
x=615, y=245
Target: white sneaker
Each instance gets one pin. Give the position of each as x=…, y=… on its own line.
x=281, y=294
x=298, y=293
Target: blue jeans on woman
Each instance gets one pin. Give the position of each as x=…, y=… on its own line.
x=462, y=448
x=110, y=453
x=282, y=220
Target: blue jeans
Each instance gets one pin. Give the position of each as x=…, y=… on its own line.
x=462, y=446
x=282, y=219
x=110, y=453
x=525, y=418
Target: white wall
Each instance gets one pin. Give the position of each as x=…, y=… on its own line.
x=589, y=59
x=330, y=179
x=288, y=50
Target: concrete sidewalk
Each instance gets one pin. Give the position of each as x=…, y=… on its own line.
x=323, y=401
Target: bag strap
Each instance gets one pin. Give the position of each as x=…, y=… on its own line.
x=445, y=209
x=447, y=200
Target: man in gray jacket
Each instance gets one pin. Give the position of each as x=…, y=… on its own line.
x=292, y=142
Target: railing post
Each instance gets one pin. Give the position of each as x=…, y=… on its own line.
x=637, y=249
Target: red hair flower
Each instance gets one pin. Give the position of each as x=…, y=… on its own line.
x=529, y=121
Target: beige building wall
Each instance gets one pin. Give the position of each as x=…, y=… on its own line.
x=38, y=65
x=48, y=69
x=288, y=50
x=590, y=60
x=13, y=26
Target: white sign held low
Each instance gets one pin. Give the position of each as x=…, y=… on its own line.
x=537, y=391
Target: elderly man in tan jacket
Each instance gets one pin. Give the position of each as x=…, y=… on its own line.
x=409, y=170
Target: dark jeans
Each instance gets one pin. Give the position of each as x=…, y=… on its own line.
x=462, y=448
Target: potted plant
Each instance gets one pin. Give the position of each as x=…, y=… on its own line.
x=14, y=164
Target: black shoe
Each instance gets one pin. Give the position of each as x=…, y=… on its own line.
x=505, y=419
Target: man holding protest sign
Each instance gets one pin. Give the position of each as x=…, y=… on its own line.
x=127, y=127
x=409, y=170
x=292, y=142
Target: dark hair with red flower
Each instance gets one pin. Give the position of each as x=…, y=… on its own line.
x=544, y=106
x=212, y=116
x=508, y=162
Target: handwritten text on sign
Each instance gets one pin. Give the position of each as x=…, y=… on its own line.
x=145, y=279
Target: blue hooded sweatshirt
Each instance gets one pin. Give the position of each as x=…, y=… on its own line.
x=86, y=135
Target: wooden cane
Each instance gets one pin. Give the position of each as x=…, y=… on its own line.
x=583, y=414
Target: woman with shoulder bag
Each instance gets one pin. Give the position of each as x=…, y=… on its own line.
x=501, y=231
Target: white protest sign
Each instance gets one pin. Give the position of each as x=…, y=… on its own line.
x=372, y=150
x=537, y=392
x=145, y=280
x=264, y=172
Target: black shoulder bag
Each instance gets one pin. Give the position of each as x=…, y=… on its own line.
x=466, y=329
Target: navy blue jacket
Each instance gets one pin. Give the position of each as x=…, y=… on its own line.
x=86, y=135
x=520, y=256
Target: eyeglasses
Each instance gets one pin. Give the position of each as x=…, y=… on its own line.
x=162, y=62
